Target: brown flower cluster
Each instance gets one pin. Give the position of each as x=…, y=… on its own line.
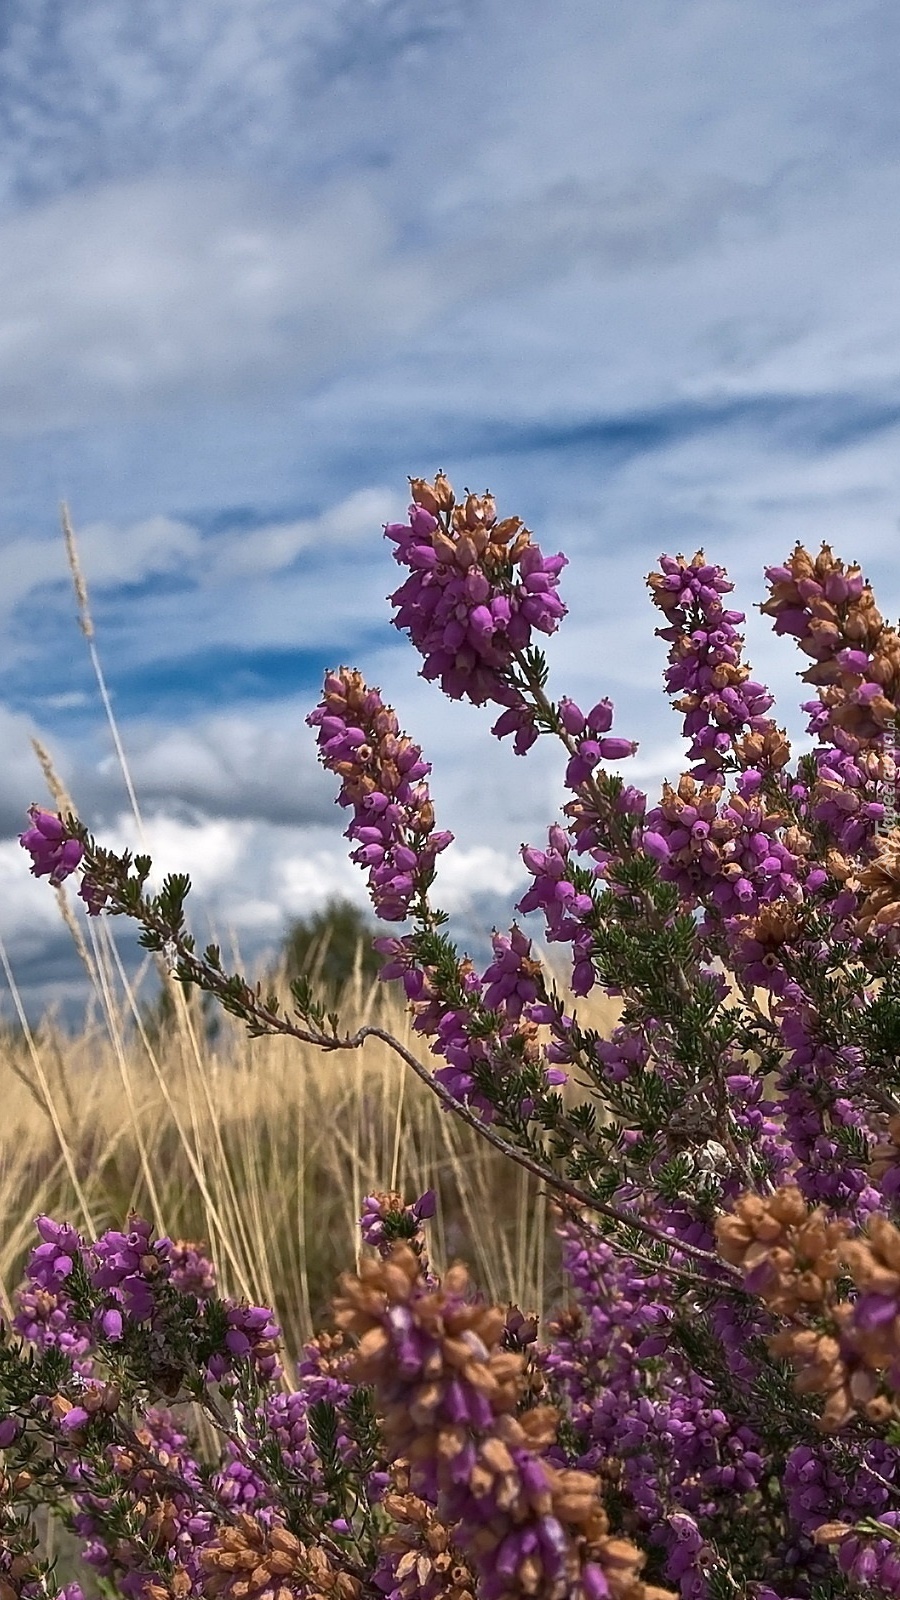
x=434, y=1353
x=157, y=1494
x=469, y=534
x=428, y=1567
x=847, y=1351
x=873, y=1261
x=249, y=1562
x=21, y=1579
x=886, y=1153
x=330, y=1353
x=177, y=1587
x=879, y=882
x=669, y=600
x=790, y=1256
x=840, y=614
x=768, y=751
x=520, y=1333
x=775, y=925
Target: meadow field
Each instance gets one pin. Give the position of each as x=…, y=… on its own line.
x=263, y=1148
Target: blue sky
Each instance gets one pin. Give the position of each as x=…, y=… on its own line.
x=632, y=266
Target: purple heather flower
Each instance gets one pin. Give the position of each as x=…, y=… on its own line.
x=722, y=705
x=476, y=591
x=502, y=996
x=382, y=774
x=51, y=1262
x=10, y=1429
x=54, y=851
x=819, y=1087
x=732, y=856
x=192, y=1272
x=375, y=1209
x=129, y=1268
x=74, y=1419
x=185, y=1531
x=48, y=1320
x=567, y=911
x=253, y=1335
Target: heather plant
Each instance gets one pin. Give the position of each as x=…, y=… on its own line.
x=715, y=1414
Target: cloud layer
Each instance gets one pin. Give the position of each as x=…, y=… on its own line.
x=634, y=267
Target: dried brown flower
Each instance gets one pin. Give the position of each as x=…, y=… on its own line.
x=886, y=1153
x=775, y=924
x=434, y=1353
x=427, y=1560
x=249, y=1562
x=879, y=882
x=790, y=1255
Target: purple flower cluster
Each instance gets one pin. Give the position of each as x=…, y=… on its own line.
x=720, y=701
x=54, y=852
x=385, y=1218
x=45, y=1313
x=175, y=1526
x=567, y=910
x=283, y=1421
x=381, y=774
x=819, y=1100
x=252, y=1335
x=831, y=611
x=129, y=1268
x=449, y=1393
x=190, y=1269
x=476, y=591
x=683, y=1459
x=827, y=1484
x=593, y=742
x=127, y=1275
x=731, y=858
x=494, y=1025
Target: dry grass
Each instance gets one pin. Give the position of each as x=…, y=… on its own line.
x=262, y=1147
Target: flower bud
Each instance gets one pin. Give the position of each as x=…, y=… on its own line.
x=423, y=494
x=443, y=492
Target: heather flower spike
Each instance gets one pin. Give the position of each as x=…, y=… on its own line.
x=381, y=773
x=478, y=589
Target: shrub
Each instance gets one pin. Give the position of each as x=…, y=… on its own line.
x=716, y=1413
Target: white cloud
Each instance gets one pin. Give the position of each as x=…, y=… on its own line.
x=166, y=285
x=261, y=552
x=108, y=555
x=113, y=555
x=311, y=879
x=464, y=875
x=138, y=290
x=209, y=849
x=260, y=764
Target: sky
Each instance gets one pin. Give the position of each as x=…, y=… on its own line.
x=632, y=266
